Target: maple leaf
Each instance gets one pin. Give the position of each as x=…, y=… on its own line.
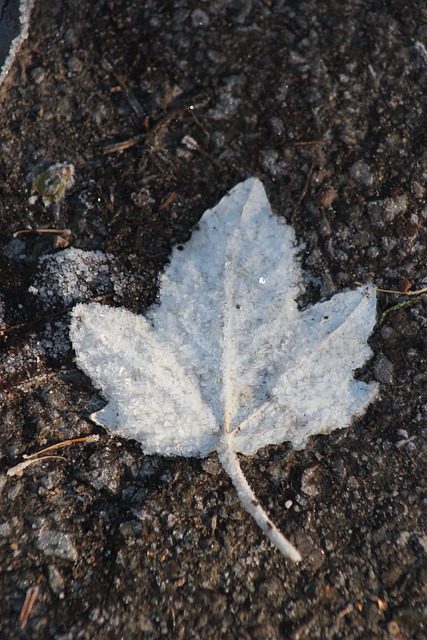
x=227, y=362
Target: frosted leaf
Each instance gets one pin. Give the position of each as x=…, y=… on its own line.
x=227, y=362
x=14, y=25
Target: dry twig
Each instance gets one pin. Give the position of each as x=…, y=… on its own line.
x=30, y=599
x=18, y=469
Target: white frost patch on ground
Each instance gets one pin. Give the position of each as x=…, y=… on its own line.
x=54, y=341
x=70, y=276
x=62, y=279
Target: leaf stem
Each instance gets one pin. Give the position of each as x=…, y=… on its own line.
x=231, y=465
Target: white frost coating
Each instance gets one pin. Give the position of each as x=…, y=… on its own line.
x=71, y=275
x=227, y=362
x=25, y=8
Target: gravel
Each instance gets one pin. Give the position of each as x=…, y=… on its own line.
x=326, y=104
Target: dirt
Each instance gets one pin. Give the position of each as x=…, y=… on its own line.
x=325, y=103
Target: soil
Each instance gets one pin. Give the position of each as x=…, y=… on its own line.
x=325, y=102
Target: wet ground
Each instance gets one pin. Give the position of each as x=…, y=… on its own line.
x=326, y=103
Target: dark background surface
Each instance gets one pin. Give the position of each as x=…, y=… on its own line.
x=326, y=103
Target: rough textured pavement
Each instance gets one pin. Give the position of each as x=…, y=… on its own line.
x=326, y=103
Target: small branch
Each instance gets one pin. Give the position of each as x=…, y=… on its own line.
x=307, y=143
x=62, y=232
x=125, y=144
x=304, y=191
x=137, y=109
x=397, y=293
x=191, y=144
x=30, y=600
x=153, y=135
x=61, y=240
x=169, y=199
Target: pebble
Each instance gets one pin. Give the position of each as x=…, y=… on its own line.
x=58, y=544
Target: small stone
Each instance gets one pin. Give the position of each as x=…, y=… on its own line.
x=310, y=481
x=5, y=529
x=56, y=543
x=56, y=581
x=393, y=628
x=328, y=197
x=38, y=75
x=383, y=370
x=212, y=467
x=199, y=18
x=360, y=172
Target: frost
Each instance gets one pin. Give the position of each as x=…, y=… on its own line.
x=70, y=276
x=228, y=362
x=14, y=25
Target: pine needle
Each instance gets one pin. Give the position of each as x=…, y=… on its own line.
x=65, y=443
x=396, y=307
x=30, y=458
x=18, y=469
x=403, y=293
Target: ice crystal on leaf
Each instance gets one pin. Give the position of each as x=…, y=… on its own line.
x=227, y=362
